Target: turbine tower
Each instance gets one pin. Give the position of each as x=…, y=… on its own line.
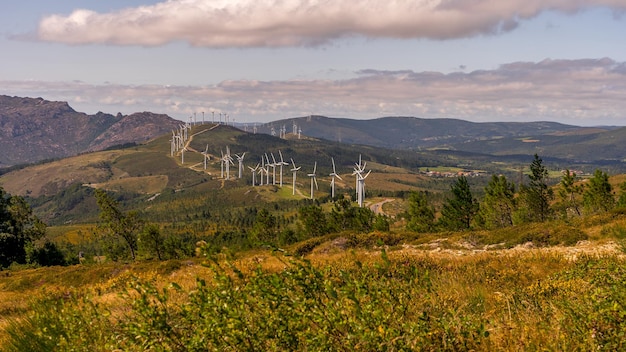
x=281, y=163
x=332, y=181
x=273, y=165
x=254, y=174
x=313, y=178
x=240, y=160
x=228, y=161
x=360, y=181
x=182, y=155
x=294, y=171
x=262, y=170
x=267, y=170
x=206, y=155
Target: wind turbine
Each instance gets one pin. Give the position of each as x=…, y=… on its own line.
x=358, y=171
x=362, y=188
x=294, y=170
x=332, y=181
x=228, y=161
x=254, y=174
x=261, y=170
x=240, y=160
x=360, y=181
x=222, y=164
x=182, y=155
x=313, y=178
x=267, y=170
x=273, y=165
x=173, y=144
x=281, y=163
x=206, y=155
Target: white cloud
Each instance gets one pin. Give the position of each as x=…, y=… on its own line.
x=579, y=92
x=282, y=23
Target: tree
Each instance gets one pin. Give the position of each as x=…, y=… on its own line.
x=117, y=224
x=598, y=195
x=265, y=226
x=569, y=194
x=314, y=220
x=47, y=255
x=346, y=216
x=18, y=229
x=421, y=215
x=459, y=211
x=153, y=240
x=535, y=198
x=496, y=209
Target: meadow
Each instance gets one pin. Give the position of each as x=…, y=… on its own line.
x=350, y=292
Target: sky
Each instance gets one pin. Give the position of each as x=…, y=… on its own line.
x=264, y=60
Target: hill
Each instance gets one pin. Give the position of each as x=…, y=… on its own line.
x=148, y=174
x=412, y=132
x=596, y=146
x=34, y=129
x=549, y=139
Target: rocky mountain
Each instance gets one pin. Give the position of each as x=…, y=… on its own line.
x=34, y=129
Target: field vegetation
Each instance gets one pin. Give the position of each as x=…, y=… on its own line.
x=160, y=255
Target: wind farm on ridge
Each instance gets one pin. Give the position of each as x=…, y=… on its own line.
x=182, y=138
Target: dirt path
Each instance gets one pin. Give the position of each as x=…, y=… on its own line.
x=377, y=208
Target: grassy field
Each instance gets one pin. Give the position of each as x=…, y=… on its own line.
x=462, y=291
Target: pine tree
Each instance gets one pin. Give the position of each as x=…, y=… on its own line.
x=18, y=228
x=535, y=197
x=421, y=215
x=459, y=211
x=496, y=209
x=598, y=196
x=569, y=194
x=117, y=224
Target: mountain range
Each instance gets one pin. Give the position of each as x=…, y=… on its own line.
x=34, y=129
x=556, y=140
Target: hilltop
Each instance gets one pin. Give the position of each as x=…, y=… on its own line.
x=550, y=139
x=34, y=129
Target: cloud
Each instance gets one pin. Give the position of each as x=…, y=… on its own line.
x=285, y=23
x=579, y=92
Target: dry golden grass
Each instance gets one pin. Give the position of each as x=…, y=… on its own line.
x=142, y=184
x=48, y=178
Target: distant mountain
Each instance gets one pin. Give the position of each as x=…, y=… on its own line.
x=585, y=146
x=495, y=138
x=34, y=129
x=412, y=132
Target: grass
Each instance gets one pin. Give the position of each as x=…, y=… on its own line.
x=341, y=301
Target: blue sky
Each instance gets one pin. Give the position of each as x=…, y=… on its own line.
x=479, y=60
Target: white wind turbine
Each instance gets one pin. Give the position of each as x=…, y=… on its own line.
x=362, y=188
x=294, y=171
x=273, y=165
x=206, y=155
x=240, y=160
x=228, y=161
x=332, y=181
x=182, y=155
x=281, y=163
x=222, y=159
x=173, y=144
x=358, y=170
x=262, y=170
x=253, y=169
x=267, y=170
x=360, y=181
x=313, y=178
